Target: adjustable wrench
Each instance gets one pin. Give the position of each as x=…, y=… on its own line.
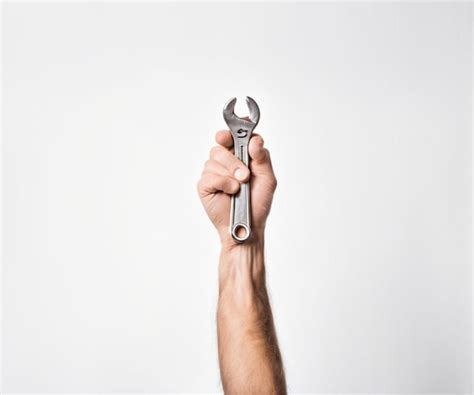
x=241, y=130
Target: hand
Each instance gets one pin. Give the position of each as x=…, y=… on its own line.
x=222, y=175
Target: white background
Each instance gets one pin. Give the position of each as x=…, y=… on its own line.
x=110, y=265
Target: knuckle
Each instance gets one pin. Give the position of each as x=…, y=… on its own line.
x=273, y=183
x=199, y=186
x=201, y=182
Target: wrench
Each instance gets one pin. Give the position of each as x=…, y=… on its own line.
x=241, y=130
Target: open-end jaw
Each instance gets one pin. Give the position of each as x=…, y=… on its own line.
x=236, y=123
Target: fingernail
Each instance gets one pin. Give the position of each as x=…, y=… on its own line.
x=239, y=174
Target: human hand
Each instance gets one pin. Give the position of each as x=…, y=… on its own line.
x=222, y=175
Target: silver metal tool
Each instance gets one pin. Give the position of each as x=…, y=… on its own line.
x=241, y=130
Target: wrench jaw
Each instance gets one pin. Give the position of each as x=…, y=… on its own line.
x=229, y=115
x=254, y=111
x=236, y=123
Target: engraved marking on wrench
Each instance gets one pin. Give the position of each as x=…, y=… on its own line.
x=242, y=133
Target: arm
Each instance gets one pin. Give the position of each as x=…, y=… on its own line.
x=249, y=357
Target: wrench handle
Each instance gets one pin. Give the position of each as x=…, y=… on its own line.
x=240, y=202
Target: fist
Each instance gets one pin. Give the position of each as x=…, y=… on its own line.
x=222, y=175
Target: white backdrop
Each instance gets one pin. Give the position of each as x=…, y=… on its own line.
x=110, y=265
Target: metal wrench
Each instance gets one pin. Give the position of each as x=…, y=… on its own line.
x=241, y=130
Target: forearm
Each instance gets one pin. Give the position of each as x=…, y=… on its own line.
x=249, y=356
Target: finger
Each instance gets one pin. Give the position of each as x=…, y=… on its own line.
x=212, y=183
x=230, y=162
x=214, y=167
x=224, y=138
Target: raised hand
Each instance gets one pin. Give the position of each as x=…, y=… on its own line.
x=222, y=175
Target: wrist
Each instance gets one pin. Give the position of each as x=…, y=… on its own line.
x=241, y=266
x=254, y=243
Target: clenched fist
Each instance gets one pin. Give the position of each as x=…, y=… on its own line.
x=222, y=175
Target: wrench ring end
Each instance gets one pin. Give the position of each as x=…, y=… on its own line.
x=235, y=230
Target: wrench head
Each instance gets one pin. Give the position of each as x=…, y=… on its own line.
x=234, y=122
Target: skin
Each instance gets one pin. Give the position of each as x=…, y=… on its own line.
x=249, y=356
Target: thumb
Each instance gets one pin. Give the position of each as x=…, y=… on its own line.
x=261, y=163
